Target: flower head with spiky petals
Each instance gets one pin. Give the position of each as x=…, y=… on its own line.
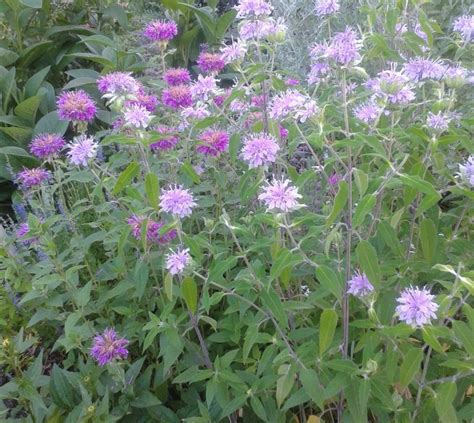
x=177, y=97
x=152, y=230
x=464, y=25
x=118, y=83
x=82, y=149
x=359, y=285
x=108, y=347
x=416, y=307
x=367, y=112
x=210, y=63
x=280, y=195
x=253, y=9
x=260, y=150
x=326, y=7
x=419, y=69
x=76, y=106
x=137, y=116
x=466, y=171
x=177, y=76
x=29, y=178
x=344, y=47
x=177, y=201
x=177, y=261
x=166, y=143
x=46, y=146
x=161, y=31
x=234, y=52
x=393, y=85
x=213, y=142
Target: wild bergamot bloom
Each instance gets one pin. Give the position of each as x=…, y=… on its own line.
x=367, y=112
x=280, y=195
x=416, y=307
x=467, y=170
x=108, y=347
x=465, y=26
x=253, y=8
x=81, y=150
x=177, y=261
x=76, y=106
x=260, y=150
x=29, y=178
x=46, y=146
x=177, y=76
x=118, y=83
x=213, y=142
x=359, y=285
x=161, y=31
x=177, y=201
x=177, y=96
x=326, y=7
x=137, y=116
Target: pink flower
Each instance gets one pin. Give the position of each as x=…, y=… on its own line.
x=46, y=146
x=177, y=97
x=280, y=195
x=292, y=103
x=166, y=143
x=81, y=150
x=177, y=201
x=204, y=88
x=326, y=7
x=161, y=31
x=152, y=230
x=213, y=142
x=210, y=62
x=107, y=347
x=177, y=76
x=359, y=285
x=148, y=101
x=234, y=52
x=76, y=106
x=137, y=116
x=177, y=261
x=118, y=83
x=29, y=178
x=416, y=307
x=260, y=150
x=253, y=8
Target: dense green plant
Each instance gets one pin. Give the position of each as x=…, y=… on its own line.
x=262, y=317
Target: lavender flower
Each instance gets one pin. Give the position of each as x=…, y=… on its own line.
x=467, y=170
x=161, y=31
x=367, y=112
x=253, y=8
x=280, y=195
x=334, y=179
x=359, y=285
x=152, y=230
x=46, y=146
x=29, y=178
x=210, y=62
x=438, y=122
x=177, y=261
x=344, y=47
x=456, y=76
x=177, y=97
x=292, y=103
x=234, y=52
x=118, y=83
x=76, y=106
x=22, y=233
x=416, y=307
x=81, y=150
x=419, y=69
x=165, y=143
x=137, y=116
x=393, y=85
x=204, y=88
x=177, y=201
x=148, y=101
x=263, y=29
x=177, y=76
x=318, y=71
x=260, y=150
x=326, y=7
x=108, y=347
x=213, y=142
x=198, y=112
x=465, y=26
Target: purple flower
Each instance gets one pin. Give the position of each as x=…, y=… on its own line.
x=393, y=85
x=260, y=29
x=204, y=88
x=152, y=230
x=76, y=106
x=418, y=69
x=148, y=101
x=177, y=261
x=260, y=150
x=177, y=201
x=280, y=195
x=177, y=97
x=344, y=47
x=199, y=111
x=359, y=285
x=318, y=71
x=29, y=178
x=253, y=8
x=465, y=26
x=326, y=7
x=137, y=116
x=334, y=179
x=210, y=62
x=467, y=170
x=283, y=132
x=161, y=31
x=292, y=82
x=292, y=103
x=46, y=146
x=166, y=143
x=108, y=347
x=367, y=112
x=416, y=307
x=213, y=142
x=177, y=76
x=439, y=122
x=81, y=150
x=118, y=83
x=234, y=52
x=456, y=76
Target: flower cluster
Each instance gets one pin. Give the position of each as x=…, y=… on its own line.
x=467, y=170
x=210, y=62
x=81, y=150
x=167, y=142
x=153, y=230
x=30, y=178
x=416, y=307
x=280, y=195
x=108, y=347
x=260, y=150
x=46, y=146
x=419, y=69
x=359, y=285
x=393, y=86
x=161, y=31
x=118, y=83
x=464, y=25
x=76, y=106
x=177, y=261
x=213, y=142
x=177, y=201
x=293, y=103
x=177, y=96
x=177, y=76
x=326, y=7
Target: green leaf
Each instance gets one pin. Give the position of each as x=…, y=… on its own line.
x=339, y=203
x=429, y=238
x=27, y=109
x=357, y=395
x=464, y=335
x=50, y=124
x=445, y=396
x=272, y=302
x=83, y=295
x=361, y=180
x=7, y=57
x=390, y=238
x=327, y=328
x=171, y=347
x=415, y=182
x=152, y=189
x=34, y=4
x=140, y=278
x=410, y=366
x=189, y=171
x=329, y=280
x=62, y=389
x=283, y=260
x=364, y=207
x=430, y=338
x=14, y=151
x=190, y=293
x=367, y=257
x=126, y=177
x=284, y=384
x=310, y=380
x=224, y=22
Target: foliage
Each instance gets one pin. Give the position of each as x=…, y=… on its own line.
x=258, y=317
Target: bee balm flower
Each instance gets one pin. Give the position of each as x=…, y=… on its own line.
x=161, y=31
x=76, y=106
x=416, y=307
x=260, y=150
x=280, y=195
x=82, y=150
x=177, y=261
x=108, y=347
x=177, y=201
x=359, y=285
x=46, y=146
x=29, y=178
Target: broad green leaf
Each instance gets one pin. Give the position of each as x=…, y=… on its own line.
x=51, y=124
x=410, y=366
x=83, y=295
x=327, y=328
x=415, y=182
x=364, y=207
x=27, y=109
x=34, y=4
x=329, y=280
x=169, y=286
x=284, y=384
x=62, y=389
x=464, y=335
x=283, y=259
x=273, y=304
x=367, y=257
x=389, y=236
x=140, y=278
x=152, y=189
x=361, y=180
x=357, y=394
x=339, y=203
x=190, y=293
x=428, y=238
x=126, y=177
x=188, y=170
x=430, y=338
x=445, y=395
x=7, y=57
x=310, y=380
x=171, y=347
